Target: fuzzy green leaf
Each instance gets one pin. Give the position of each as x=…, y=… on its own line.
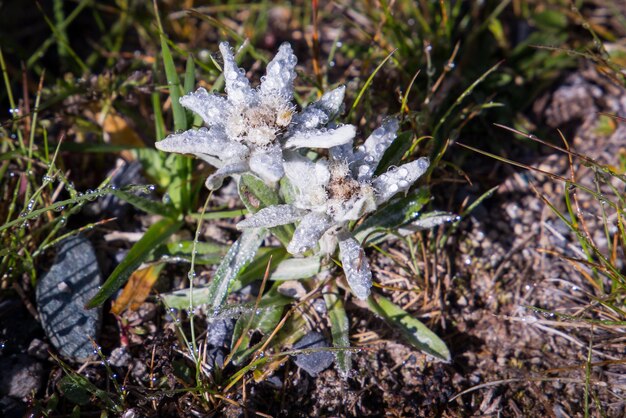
x=206, y=252
x=297, y=268
x=238, y=256
x=340, y=328
x=413, y=330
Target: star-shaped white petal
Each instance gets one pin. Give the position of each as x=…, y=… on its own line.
x=204, y=141
x=281, y=72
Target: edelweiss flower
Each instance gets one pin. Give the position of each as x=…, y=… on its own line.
x=248, y=129
x=330, y=193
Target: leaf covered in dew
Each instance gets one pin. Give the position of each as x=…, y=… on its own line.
x=297, y=268
x=412, y=329
x=238, y=256
x=340, y=330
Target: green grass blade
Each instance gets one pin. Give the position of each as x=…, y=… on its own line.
x=147, y=205
x=190, y=75
x=368, y=82
x=159, y=123
x=173, y=81
x=413, y=330
x=439, y=147
x=64, y=42
x=60, y=205
x=152, y=238
x=340, y=329
x=41, y=50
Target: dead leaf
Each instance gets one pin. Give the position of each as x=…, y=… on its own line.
x=137, y=289
x=119, y=132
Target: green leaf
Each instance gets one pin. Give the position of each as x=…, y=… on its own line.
x=173, y=81
x=155, y=166
x=428, y=220
x=256, y=195
x=368, y=82
x=297, y=268
x=413, y=330
x=550, y=20
x=256, y=269
x=206, y=252
x=74, y=390
x=179, y=189
x=397, y=213
x=340, y=329
x=152, y=238
x=159, y=122
x=264, y=319
x=190, y=75
x=393, y=155
x=237, y=258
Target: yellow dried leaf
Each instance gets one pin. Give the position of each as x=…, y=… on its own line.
x=137, y=289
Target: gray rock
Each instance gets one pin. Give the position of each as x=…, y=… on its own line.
x=120, y=357
x=12, y=408
x=220, y=332
x=21, y=376
x=61, y=297
x=317, y=361
x=38, y=349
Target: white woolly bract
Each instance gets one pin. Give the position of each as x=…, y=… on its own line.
x=250, y=127
x=356, y=267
